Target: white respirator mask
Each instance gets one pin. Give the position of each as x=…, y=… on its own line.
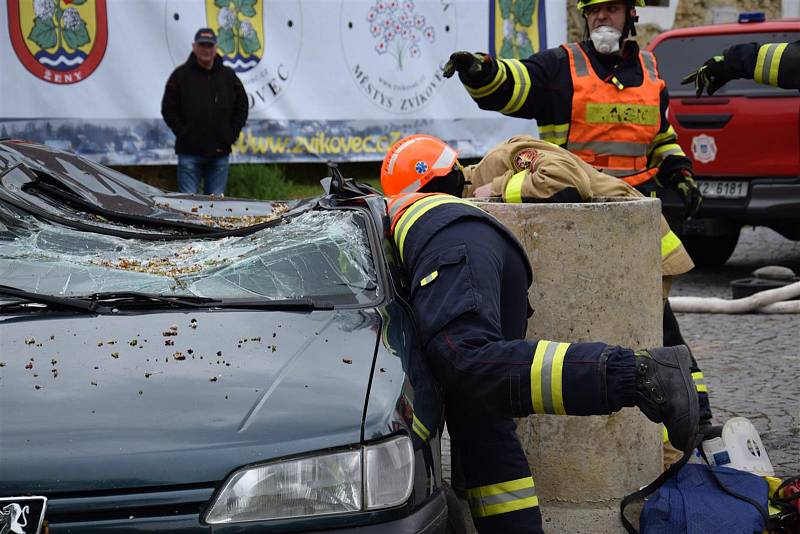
x=606, y=39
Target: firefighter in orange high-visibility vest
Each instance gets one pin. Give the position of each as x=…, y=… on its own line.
x=601, y=99
x=469, y=293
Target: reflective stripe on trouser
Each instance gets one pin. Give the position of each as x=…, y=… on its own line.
x=472, y=318
x=502, y=498
x=500, y=490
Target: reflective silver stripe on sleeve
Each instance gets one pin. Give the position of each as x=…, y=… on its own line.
x=547, y=369
x=768, y=62
x=520, y=77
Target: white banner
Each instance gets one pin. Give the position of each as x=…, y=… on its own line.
x=338, y=79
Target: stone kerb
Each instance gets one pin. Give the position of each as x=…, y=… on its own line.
x=597, y=277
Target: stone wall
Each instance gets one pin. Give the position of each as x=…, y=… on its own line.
x=689, y=13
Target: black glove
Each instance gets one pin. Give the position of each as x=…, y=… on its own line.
x=710, y=77
x=687, y=188
x=467, y=64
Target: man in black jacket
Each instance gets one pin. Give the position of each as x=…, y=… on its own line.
x=205, y=106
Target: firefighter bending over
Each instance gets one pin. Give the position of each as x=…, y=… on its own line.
x=469, y=278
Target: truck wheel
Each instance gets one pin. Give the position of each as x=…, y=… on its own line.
x=455, y=513
x=711, y=251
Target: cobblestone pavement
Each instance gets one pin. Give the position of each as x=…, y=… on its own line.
x=751, y=362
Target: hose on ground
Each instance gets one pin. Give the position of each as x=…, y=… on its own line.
x=770, y=301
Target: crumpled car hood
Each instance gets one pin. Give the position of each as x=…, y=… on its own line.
x=95, y=403
x=100, y=186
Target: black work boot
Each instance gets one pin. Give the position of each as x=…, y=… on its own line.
x=666, y=393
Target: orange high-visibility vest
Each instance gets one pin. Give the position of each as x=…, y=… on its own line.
x=612, y=127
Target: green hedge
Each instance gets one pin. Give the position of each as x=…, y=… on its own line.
x=263, y=181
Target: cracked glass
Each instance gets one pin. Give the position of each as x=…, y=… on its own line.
x=319, y=254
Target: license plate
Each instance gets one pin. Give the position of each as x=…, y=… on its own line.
x=22, y=514
x=723, y=189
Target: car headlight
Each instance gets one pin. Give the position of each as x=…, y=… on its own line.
x=375, y=476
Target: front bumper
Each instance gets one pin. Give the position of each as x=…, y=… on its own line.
x=430, y=518
x=769, y=200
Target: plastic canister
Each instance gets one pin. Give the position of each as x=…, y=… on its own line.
x=740, y=447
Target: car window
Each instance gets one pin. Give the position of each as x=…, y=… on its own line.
x=317, y=254
x=673, y=65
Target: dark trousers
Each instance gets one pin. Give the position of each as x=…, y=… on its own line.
x=672, y=338
x=469, y=297
x=672, y=330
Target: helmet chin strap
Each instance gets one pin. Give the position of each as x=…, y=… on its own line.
x=630, y=26
x=452, y=183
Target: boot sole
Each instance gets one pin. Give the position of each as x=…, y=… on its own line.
x=684, y=359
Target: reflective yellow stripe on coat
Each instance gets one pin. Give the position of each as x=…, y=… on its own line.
x=417, y=210
x=546, y=371
x=699, y=382
x=501, y=498
x=513, y=192
x=669, y=243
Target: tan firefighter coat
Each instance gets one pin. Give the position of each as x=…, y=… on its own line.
x=524, y=168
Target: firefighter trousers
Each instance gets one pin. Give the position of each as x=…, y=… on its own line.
x=470, y=301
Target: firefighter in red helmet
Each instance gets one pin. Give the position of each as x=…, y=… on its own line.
x=469, y=293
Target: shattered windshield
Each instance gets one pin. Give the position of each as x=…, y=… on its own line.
x=322, y=254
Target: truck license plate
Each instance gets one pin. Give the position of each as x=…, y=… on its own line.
x=723, y=189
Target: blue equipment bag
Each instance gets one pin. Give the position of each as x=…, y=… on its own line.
x=704, y=499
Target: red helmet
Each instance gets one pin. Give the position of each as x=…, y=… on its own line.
x=414, y=161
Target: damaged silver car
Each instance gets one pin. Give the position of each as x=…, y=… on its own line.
x=175, y=363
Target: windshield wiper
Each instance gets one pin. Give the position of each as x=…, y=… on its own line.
x=138, y=298
x=109, y=302
x=51, y=301
x=299, y=304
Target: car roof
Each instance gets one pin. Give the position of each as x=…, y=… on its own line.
x=781, y=25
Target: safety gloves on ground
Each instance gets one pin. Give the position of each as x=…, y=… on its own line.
x=686, y=186
x=710, y=77
x=666, y=393
x=470, y=66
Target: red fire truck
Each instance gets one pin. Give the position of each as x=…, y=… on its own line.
x=744, y=141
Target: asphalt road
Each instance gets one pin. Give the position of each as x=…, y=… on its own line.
x=751, y=362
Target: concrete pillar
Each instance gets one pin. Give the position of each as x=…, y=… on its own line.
x=597, y=277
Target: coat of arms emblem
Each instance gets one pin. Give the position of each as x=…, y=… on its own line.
x=59, y=41
x=240, y=31
x=517, y=28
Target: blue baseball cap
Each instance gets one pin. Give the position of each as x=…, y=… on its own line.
x=205, y=35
